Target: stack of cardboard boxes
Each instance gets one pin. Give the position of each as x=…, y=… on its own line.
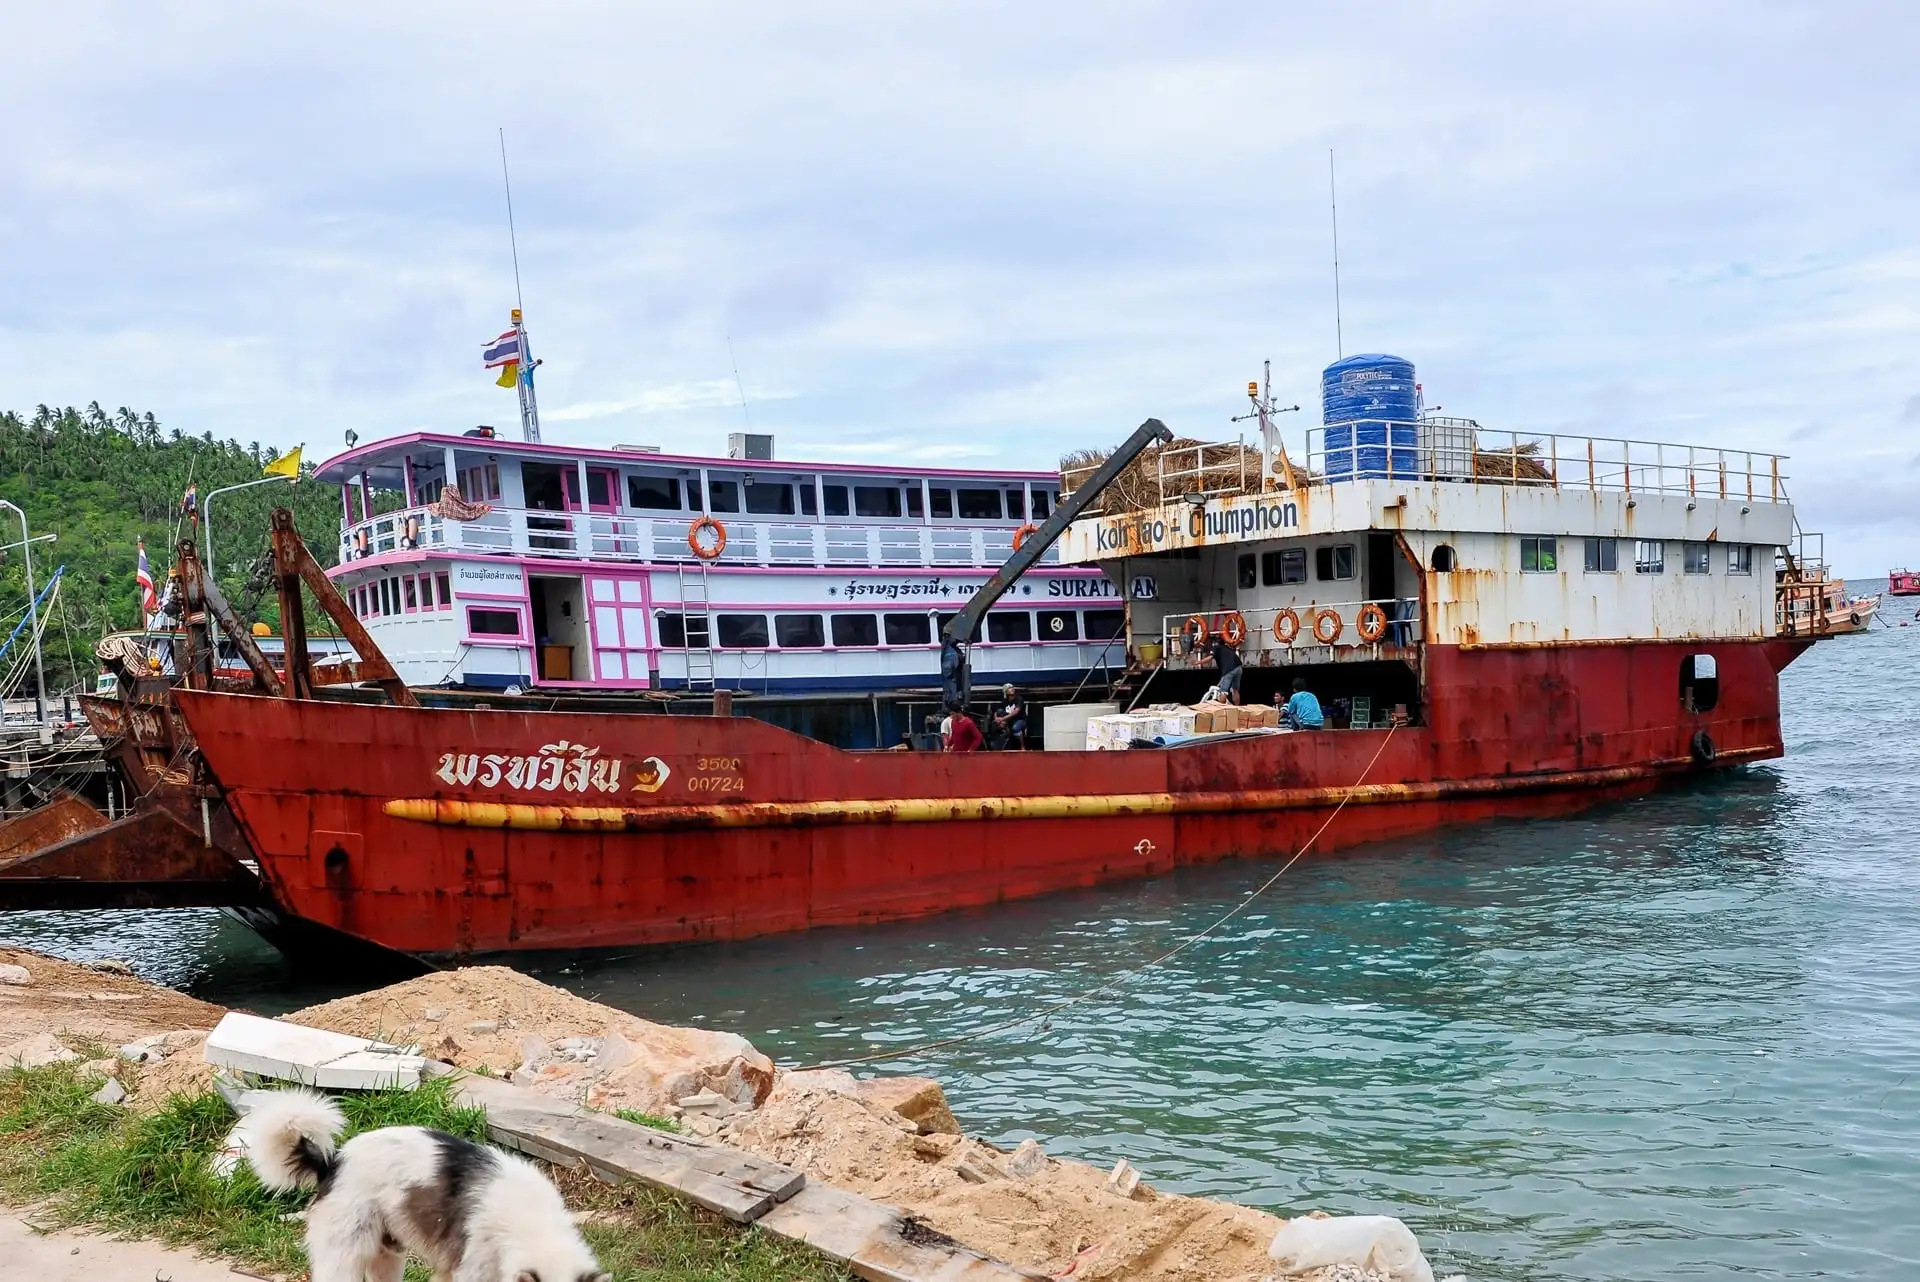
x=1119, y=730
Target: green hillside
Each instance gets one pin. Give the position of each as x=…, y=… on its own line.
x=104, y=481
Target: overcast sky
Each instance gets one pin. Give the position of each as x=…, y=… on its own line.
x=980, y=231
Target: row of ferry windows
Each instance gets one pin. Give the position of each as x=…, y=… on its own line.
x=1540, y=554
x=401, y=594
x=810, y=631
x=783, y=498
x=1276, y=569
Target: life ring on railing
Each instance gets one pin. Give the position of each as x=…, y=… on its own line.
x=1194, y=632
x=703, y=550
x=413, y=531
x=1372, y=623
x=1327, y=626
x=1286, y=626
x=1233, y=628
x=1022, y=534
x=360, y=542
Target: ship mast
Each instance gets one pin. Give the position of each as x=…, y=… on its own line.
x=529, y=404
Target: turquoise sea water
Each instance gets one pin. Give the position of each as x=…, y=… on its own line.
x=1677, y=1037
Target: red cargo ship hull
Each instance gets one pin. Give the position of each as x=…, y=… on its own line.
x=439, y=832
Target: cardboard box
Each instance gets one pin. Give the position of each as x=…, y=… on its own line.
x=1259, y=716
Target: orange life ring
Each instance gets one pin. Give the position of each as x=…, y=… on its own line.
x=1286, y=626
x=360, y=541
x=1327, y=626
x=1196, y=631
x=413, y=531
x=1023, y=533
x=1233, y=628
x=1372, y=623
x=700, y=549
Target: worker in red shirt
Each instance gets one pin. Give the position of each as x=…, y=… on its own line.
x=965, y=736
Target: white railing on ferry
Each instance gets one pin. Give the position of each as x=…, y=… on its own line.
x=1311, y=637
x=599, y=536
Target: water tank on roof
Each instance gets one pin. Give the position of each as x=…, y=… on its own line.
x=1371, y=412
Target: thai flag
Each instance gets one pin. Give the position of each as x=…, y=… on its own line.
x=144, y=577
x=504, y=350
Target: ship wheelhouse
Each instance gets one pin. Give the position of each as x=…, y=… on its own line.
x=489, y=564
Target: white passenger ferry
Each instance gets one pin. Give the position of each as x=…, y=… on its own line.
x=480, y=563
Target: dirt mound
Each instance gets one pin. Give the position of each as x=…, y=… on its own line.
x=79, y=1004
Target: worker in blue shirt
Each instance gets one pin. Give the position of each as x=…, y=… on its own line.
x=1303, y=710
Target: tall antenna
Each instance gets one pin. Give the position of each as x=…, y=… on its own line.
x=1333, y=205
x=740, y=386
x=529, y=406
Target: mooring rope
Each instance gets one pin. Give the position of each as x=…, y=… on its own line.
x=1124, y=976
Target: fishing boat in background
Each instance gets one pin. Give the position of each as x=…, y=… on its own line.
x=1903, y=583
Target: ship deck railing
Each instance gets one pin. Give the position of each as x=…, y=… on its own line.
x=1263, y=641
x=613, y=537
x=1455, y=450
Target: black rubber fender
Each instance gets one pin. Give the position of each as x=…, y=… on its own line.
x=1702, y=747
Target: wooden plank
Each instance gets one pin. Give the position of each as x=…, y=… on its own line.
x=867, y=1236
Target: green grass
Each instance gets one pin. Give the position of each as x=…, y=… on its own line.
x=638, y=1118
x=93, y=1165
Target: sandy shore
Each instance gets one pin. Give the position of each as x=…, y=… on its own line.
x=65, y=1255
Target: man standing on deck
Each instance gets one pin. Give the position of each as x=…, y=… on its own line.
x=965, y=735
x=1227, y=659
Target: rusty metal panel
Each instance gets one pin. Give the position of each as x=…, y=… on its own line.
x=147, y=860
x=65, y=816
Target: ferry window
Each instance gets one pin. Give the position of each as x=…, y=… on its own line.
x=916, y=506
x=1699, y=683
x=1696, y=558
x=799, y=631
x=1334, y=562
x=1269, y=569
x=942, y=501
x=1293, y=565
x=855, y=629
x=1603, y=556
x=1649, y=557
x=836, y=496
x=654, y=493
x=1016, y=505
x=1247, y=575
x=1740, y=558
x=478, y=484
x=1104, y=625
x=980, y=505
x=413, y=600
x=809, y=498
x=1059, y=625
x=693, y=494
x=599, y=488
x=909, y=629
x=1444, y=559
x=742, y=631
x=387, y=603
x=542, y=486
x=1039, y=505
x=492, y=623
x=770, y=500
x=941, y=621
x=1012, y=626
x=1538, y=555
x=876, y=500
x=671, y=629
x=446, y=591
x=723, y=496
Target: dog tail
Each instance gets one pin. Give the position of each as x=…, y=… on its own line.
x=289, y=1139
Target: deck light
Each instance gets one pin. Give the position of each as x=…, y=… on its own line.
x=1197, y=499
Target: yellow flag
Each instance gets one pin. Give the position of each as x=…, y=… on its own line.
x=287, y=465
x=509, y=374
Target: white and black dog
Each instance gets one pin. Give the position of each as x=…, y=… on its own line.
x=473, y=1213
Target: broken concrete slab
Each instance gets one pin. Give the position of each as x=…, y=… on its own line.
x=312, y=1056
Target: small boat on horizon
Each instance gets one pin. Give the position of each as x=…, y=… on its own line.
x=1903, y=582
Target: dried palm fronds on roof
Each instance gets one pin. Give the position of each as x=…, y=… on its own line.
x=1192, y=466
x=1520, y=465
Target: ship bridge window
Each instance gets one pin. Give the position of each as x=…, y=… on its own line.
x=492, y=623
x=1603, y=556
x=1016, y=505
x=1104, y=625
x=723, y=496
x=1040, y=502
x=799, y=631
x=909, y=629
x=876, y=500
x=942, y=502
x=741, y=631
x=1444, y=559
x=980, y=505
x=836, y=496
x=1539, y=555
x=1013, y=626
x=809, y=498
x=542, y=486
x=1699, y=683
x=855, y=629
x=1336, y=562
x=654, y=493
x=916, y=505
x=1649, y=557
x=770, y=498
x=1696, y=558
x=1740, y=558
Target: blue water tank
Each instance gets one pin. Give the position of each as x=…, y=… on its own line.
x=1371, y=412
